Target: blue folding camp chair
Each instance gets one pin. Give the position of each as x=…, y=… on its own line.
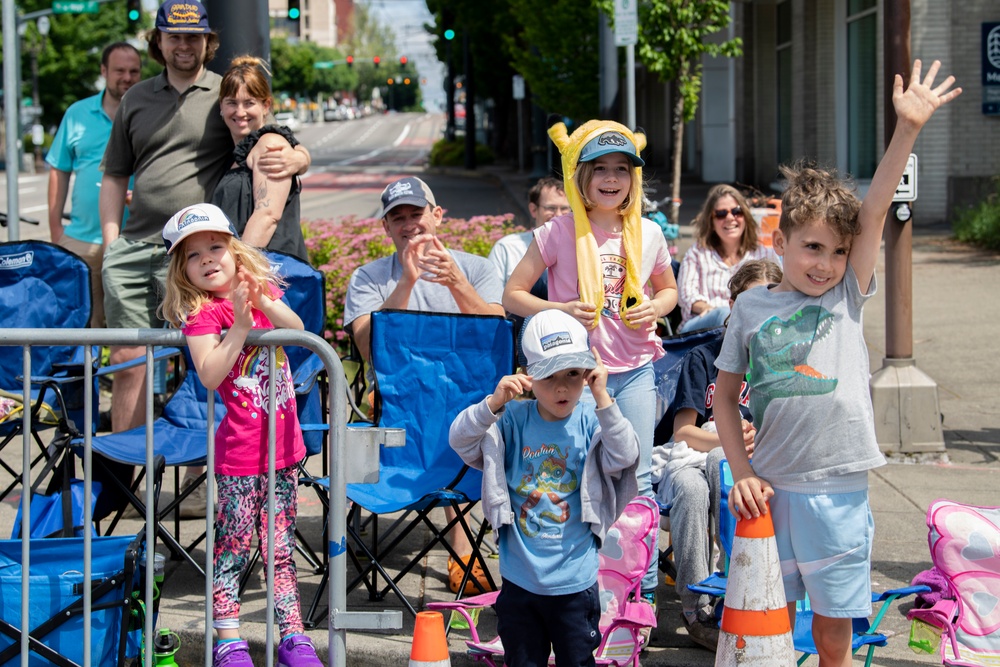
x=866, y=632
x=428, y=368
x=55, y=622
x=42, y=286
x=180, y=433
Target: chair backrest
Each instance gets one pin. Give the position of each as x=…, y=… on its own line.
x=428, y=368
x=305, y=294
x=965, y=546
x=41, y=286
x=624, y=559
x=668, y=369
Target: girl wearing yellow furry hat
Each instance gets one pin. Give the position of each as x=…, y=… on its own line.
x=600, y=261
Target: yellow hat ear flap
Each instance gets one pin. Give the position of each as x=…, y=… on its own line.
x=559, y=136
x=640, y=141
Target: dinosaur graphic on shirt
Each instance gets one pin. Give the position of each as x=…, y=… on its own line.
x=778, y=354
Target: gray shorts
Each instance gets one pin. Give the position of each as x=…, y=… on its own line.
x=135, y=278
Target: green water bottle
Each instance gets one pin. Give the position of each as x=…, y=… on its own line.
x=165, y=645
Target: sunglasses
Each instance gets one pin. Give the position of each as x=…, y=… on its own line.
x=721, y=213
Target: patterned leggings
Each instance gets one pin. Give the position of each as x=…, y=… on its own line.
x=243, y=511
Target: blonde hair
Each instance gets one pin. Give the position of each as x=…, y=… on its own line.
x=183, y=300
x=705, y=229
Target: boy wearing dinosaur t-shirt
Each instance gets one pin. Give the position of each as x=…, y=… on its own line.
x=803, y=344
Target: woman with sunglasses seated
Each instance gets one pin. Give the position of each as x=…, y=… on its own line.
x=725, y=237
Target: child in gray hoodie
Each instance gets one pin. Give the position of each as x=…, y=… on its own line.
x=556, y=475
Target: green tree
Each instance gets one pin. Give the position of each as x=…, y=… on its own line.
x=673, y=38
x=477, y=24
x=370, y=39
x=69, y=57
x=557, y=54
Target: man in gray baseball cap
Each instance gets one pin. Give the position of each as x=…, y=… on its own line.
x=421, y=275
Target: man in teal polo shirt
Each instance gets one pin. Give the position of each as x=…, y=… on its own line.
x=77, y=150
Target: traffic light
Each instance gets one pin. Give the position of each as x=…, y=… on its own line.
x=376, y=60
x=134, y=13
x=350, y=61
x=402, y=60
x=449, y=34
x=406, y=81
x=389, y=81
x=294, y=11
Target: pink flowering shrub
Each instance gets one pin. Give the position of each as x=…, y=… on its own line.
x=337, y=247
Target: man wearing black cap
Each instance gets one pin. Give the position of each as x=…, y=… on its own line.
x=421, y=275
x=169, y=133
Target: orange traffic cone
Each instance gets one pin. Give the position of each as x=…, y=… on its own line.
x=755, y=628
x=430, y=646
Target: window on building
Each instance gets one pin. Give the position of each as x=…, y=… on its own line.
x=862, y=87
x=784, y=71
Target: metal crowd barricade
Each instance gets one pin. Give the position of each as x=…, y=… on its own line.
x=361, y=466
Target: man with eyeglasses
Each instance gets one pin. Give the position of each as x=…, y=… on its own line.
x=546, y=200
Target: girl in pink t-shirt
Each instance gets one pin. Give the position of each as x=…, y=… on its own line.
x=217, y=282
x=610, y=269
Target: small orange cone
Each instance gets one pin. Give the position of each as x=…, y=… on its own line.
x=755, y=628
x=430, y=646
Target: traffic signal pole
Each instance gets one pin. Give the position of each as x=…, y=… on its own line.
x=243, y=28
x=904, y=398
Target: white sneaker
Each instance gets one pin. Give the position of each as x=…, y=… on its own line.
x=193, y=506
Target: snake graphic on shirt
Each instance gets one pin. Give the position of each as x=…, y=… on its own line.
x=778, y=358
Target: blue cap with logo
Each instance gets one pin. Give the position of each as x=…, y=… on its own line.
x=193, y=219
x=182, y=16
x=611, y=142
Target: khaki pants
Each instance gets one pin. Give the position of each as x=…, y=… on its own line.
x=92, y=254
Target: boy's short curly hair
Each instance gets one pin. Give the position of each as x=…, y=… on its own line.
x=814, y=193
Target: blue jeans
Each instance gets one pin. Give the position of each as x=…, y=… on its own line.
x=713, y=318
x=635, y=393
x=529, y=624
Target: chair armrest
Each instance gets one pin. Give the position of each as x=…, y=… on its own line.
x=158, y=355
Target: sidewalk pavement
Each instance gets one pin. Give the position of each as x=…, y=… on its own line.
x=954, y=343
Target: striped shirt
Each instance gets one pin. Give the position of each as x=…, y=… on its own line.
x=705, y=277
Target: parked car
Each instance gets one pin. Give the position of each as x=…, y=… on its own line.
x=289, y=120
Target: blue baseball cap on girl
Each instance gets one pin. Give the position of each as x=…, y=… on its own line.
x=611, y=142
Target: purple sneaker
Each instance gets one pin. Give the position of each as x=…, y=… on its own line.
x=297, y=651
x=231, y=654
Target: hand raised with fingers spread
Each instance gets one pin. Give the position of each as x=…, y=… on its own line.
x=922, y=98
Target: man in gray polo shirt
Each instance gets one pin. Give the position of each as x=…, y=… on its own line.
x=421, y=275
x=169, y=133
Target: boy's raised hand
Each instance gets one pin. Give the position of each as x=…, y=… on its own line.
x=597, y=380
x=921, y=99
x=509, y=388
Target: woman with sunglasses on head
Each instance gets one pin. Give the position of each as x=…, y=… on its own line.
x=725, y=238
